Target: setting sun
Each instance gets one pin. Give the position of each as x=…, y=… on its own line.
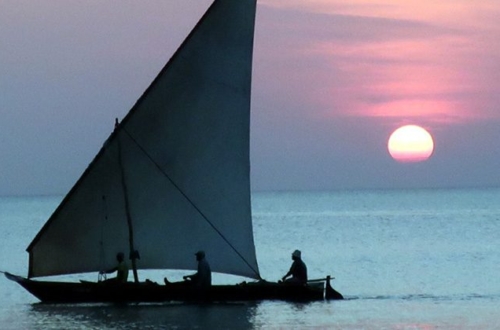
x=410, y=144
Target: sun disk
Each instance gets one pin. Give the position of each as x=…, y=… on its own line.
x=410, y=144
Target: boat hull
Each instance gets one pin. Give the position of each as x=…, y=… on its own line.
x=98, y=292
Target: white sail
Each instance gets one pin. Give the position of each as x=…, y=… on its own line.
x=181, y=160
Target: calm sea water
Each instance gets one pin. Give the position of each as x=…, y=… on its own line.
x=404, y=259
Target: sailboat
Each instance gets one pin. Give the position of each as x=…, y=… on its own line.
x=172, y=178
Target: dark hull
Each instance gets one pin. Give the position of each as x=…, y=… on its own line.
x=91, y=292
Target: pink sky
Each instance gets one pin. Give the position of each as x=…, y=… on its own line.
x=413, y=60
x=332, y=80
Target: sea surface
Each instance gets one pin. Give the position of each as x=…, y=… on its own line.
x=403, y=259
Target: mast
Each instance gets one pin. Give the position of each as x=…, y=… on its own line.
x=132, y=252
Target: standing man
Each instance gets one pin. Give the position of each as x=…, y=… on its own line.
x=298, y=270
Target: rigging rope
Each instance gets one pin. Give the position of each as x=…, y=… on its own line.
x=190, y=201
x=102, y=253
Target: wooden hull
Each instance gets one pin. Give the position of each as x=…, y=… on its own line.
x=92, y=292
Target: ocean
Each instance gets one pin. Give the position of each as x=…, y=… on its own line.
x=403, y=259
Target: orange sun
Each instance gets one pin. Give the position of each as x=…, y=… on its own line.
x=410, y=144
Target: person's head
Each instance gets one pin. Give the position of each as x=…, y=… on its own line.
x=200, y=255
x=296, y=255
x=120, y=256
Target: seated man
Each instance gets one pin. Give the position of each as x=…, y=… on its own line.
x=203, y=278
x=298, y=270
x=121, y=270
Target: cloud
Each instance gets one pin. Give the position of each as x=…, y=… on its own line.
x=370, y=66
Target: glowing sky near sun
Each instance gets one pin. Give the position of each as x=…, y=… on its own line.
x=404, y=59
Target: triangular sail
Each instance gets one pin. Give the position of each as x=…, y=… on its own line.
x=185, y=158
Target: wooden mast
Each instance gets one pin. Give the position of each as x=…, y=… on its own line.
x=133, y=253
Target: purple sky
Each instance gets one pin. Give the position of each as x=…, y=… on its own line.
x=332, y=80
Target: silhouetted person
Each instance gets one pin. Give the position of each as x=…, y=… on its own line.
x=203, y=278
x=121, y=270
x=298, y=270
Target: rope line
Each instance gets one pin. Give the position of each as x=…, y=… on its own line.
x=102, y=253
